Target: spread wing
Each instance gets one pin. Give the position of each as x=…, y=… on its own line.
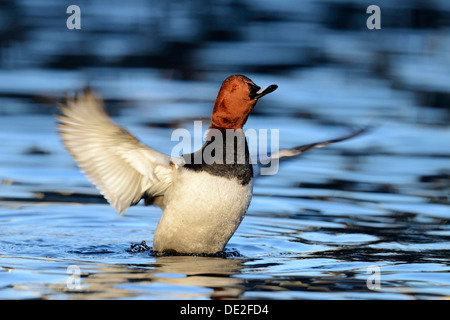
x=120, y=166
x=291, y=152
x=303, y=148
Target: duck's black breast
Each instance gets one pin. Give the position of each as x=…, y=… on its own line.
x=224, y=156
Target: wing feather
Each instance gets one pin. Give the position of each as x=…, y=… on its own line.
x=118, y=164
x=282, y=154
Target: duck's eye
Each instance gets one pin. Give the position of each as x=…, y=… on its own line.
x=235, y=86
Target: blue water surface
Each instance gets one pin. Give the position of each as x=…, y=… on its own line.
x=326, y=226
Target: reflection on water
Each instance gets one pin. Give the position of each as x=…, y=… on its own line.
x=181, y=277
x=314, y=230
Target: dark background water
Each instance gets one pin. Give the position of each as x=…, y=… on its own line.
x=313, y=231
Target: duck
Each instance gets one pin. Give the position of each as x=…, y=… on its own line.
x=203, y=202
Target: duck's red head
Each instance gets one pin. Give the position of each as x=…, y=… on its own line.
x=236, y=99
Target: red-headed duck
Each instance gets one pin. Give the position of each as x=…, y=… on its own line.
x=203, y=203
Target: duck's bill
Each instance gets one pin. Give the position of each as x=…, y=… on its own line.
x=258, y=92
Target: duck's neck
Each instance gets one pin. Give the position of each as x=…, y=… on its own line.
x=225, y=153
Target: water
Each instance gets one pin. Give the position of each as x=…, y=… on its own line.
x=329, y=225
